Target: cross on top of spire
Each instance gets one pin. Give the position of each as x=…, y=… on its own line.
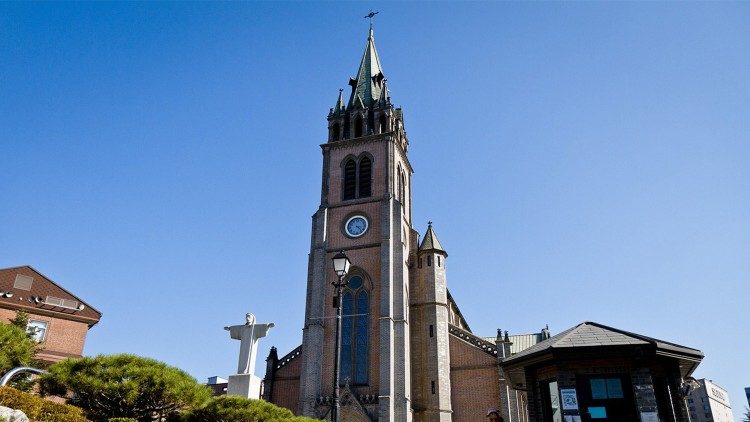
x=370, y=16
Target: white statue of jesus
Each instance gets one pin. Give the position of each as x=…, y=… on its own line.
x=248, y=336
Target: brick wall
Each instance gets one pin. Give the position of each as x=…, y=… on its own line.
x=474, y=382
x=286, y=385
x=64, y=338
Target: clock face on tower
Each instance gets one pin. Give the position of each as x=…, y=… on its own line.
x=356, y=226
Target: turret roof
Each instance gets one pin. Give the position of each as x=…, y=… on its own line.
x=430, y=241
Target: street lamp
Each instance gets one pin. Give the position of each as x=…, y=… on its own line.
x=341, y=266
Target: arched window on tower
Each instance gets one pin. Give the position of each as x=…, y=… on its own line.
x=370, y=122
x=365, y=177
x=402, y=192
x=382, y=123
x=398, y=183
x=335, y=130
x=355, y=307
x=350, y=179
x=358, y=126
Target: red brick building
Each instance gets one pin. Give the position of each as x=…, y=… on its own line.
x=58, y=318
x=406, y=351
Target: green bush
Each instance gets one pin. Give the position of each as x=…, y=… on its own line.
x=238, y=409
x=39, y=409
x=58, y=412
x=16, y=349
x=122, y=420
x=108, y=386
x=25, y=402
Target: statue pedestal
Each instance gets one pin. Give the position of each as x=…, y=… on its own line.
x=244, y=385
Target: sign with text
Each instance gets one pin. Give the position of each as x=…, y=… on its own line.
x=569, y=399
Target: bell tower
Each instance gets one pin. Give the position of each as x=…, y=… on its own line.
x=365, y=209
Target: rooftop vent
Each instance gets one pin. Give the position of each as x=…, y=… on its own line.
x=23, y=282
x=61, y=303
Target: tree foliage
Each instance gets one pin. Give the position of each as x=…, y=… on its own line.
x=38, y=409
x=746, y=417
x=112, y=386
x=16, y=349
x=238, y=409
x=21, y=321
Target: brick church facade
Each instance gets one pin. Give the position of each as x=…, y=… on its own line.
x=407, y=353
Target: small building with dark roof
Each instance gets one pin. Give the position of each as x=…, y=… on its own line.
x=58, y=319
x=595, y=372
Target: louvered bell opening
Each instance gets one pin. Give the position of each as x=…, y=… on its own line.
x=365, y=173
x=350, y=182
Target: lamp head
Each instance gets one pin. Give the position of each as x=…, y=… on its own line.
x=341, y=264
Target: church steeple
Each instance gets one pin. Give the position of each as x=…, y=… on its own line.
x=369, y=110
x=368, y=84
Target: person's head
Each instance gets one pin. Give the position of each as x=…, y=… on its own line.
x=494, y=415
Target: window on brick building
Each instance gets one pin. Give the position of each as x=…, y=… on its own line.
x=365, y=177
x=357, y=178
x=355, y=305
x=37, y=330
x=350, y=179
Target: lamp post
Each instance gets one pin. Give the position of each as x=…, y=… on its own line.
x=341, y=266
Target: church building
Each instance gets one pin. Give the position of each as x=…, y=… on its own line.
x=407, y=353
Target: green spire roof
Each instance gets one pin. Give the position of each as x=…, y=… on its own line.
x=369, y=82
x=430, y=241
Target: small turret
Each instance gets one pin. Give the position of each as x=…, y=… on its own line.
x=340, y=107
x=430, y=243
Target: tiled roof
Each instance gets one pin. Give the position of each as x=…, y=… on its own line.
x=430, y=241
x=592, y=334
x=50, y=296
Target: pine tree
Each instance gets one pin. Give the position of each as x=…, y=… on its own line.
x=21, y=320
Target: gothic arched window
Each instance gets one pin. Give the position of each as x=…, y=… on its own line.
x=402, y=193
x=355, y=306
x=365, y=177
x=350, y=179
x=357, y=180
x=358, y=126
x=335, y=130
x=398, y=183
x=382, y=123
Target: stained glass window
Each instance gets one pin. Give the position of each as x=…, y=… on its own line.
x=360, y=354
x=355, y=306
x=347, y=303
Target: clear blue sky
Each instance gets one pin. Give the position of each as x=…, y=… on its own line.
x=581, y=161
